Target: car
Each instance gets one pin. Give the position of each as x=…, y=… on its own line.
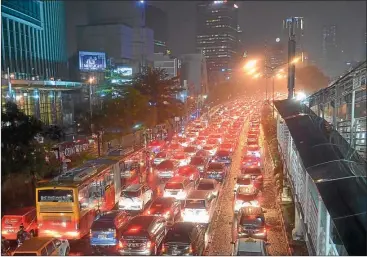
x=202, y=153
x=202, y=139
x=211, y=149
x=105, y=228
x=227, y=147
x=249, y=247
x=142, y=235
x=250, y=161
x=216, y=170
x=252, y=138
x=199, y=162
x=256, y=175
x=181, y=158
x=244, y=181
x=190, y=150
x=222, y=156
x=199, y=207
x=37, y=246
x=245, y=197
x=135, y=197
x=189, y=171
x=178, y=187
x=166, y=169
x=184, y=239
x=166, y=207
x=210, y=185
x=184, y=142
x=160, y=157
x=251, y=223
x=253, y=150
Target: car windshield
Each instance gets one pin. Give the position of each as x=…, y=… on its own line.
x=173, y=185
x=246, y=253
x=197, y=161
x=165, y=165
x=251, y=221
x=205, y=186
x=215, y=166
x=244, y=181
x=161, y=155
x=195, y=204
x=130, y=193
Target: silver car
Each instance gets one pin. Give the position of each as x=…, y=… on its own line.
x=210, y=185
x=249, y=247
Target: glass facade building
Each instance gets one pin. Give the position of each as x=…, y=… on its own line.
x=33, y=45
x=217, y=37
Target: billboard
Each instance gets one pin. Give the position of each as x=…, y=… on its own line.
x=92, y=61
x=124, y=71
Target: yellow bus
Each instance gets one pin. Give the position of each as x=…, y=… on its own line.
x=67, y=205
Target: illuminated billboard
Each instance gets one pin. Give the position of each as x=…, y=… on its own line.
x=124, y=71
x=92, y=61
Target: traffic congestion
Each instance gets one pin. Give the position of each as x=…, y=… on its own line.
x=199, y=194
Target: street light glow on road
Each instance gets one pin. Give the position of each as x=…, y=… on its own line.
x=250, y=65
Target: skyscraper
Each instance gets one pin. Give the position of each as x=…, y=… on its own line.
x=330, y=51
x=33, y=44
x=217, y=38
x=157, y=20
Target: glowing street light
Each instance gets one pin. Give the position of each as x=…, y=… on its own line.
x=300, y=96
x=295, y=60
x=257, y=75
x=91, y=80
x=250, y=65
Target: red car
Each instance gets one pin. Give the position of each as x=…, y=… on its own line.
x=251, y=161
x=12, y=220
x=255, y=174
x=189, y=171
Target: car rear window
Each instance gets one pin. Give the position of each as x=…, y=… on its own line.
x=161, y=155
x=197, y=161
x=195, y=204
x=205, y=186
x=103, y=225
x=173, y=185
x=251, y=171
x=244, y=181
x=251, y=220
x=130, y=193
x=24, y=254
x=190, y=149
x=215, y=166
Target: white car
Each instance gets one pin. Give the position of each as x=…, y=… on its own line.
x=135, y=197
x=160, y=157
x=199, y=207
x=245, y=197
x=249, y=247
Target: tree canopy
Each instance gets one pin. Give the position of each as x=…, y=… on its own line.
x=21, y=152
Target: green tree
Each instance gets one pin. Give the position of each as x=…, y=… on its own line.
x=155, y=84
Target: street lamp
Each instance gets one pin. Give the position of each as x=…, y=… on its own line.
x=90, y=80
x=250, y=65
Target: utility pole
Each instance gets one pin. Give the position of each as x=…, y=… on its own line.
x=291, y=24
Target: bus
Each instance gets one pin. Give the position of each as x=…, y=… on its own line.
x=68, y=204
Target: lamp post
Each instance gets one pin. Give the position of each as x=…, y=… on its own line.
x=91, y=80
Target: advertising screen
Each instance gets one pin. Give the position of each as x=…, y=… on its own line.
x=124, y=71
x=92, y=61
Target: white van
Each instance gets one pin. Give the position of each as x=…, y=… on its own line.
x=199, y=207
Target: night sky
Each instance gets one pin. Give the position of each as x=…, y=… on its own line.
x=260, y=21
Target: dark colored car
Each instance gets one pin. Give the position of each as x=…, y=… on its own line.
x=143, y=235
x=216, y=170
x=199, y=162
x=222, y=156
x=166, y=207
x=184, y=238
x=251, y=223
x=106, y=229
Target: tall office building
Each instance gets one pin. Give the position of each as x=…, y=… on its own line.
x=217, y=38
x=157, y=20
x=33, y=44
x=330, y=51
x=299, y=29
x=276, y=54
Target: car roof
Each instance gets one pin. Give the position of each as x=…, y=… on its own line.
x=133, y=187
x=198, y=194
x=33, y=244
x=250, y=210
x=142, y=220
x=109, y=216
x=251, y=246
x=207, y=180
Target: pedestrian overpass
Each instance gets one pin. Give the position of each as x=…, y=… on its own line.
x=327, y=181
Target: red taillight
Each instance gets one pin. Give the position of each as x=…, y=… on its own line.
x=163, y=248
x=260, y=177
x=190, y=249
x=121, y=244
x=149, y=244
x=148, y=212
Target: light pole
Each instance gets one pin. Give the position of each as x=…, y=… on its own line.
x=90, y=80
